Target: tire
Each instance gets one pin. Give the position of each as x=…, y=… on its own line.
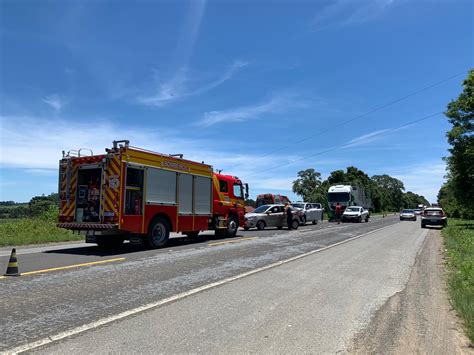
x=367, y=219
x=232, y=226
x=295, y=224
x=303, y=220
x=423, y=226
x=158, y=233
x=261, y=225
x=315, y=222
x=192, y=234
x=280, y=227
x=359, y=220
x=246, y=228
x=109, y=242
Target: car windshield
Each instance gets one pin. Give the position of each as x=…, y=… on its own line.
x=261, y=209
x=353, y=209
x=407, y=211
x=297, y=205
x=338, y=196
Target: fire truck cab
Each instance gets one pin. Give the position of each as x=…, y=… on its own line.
x=140, y=195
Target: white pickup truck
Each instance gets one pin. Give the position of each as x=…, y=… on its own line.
x=355, y=214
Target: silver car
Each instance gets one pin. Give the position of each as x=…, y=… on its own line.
x=311, y=212
x=270, y=216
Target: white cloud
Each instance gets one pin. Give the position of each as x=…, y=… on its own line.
x=344, y=13
x=276, y=104
x=366, y=138
x=55, y=101
x=177, y=88
x=425, y=179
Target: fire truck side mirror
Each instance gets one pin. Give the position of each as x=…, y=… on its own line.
x=246, y=191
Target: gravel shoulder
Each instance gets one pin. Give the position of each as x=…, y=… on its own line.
x=419, y=319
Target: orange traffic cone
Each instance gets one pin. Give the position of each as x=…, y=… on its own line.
x=12, y=269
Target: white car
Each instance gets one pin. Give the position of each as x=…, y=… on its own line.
x=355, y=214
x=407, y=214
x=311, y=212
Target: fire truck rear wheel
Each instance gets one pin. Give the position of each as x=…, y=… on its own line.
x=158, y=233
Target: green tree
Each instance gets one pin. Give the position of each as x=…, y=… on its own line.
x=390, y=192
x=250, y=202
x=460, y=163
x=307, y=185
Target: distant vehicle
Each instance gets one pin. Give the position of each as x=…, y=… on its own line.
x=347, y=195
x=270, y=216
x=268, y=199
x=434, y=216
x=311, y=212
x=355, y=214
x=408, y=215
x=417, y=211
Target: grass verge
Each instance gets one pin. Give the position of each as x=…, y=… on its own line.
x=33, y=231
x=459, y=241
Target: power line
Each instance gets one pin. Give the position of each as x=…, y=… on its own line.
x=375, y=109
x=348, y=144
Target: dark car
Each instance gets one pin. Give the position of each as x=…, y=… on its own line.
x=434, y=216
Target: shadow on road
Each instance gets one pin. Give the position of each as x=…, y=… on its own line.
x=127, y=248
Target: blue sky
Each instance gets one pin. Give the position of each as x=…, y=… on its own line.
x=256, y=88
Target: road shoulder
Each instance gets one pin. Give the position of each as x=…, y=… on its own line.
x=418, y=319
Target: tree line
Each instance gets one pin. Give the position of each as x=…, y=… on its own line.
x=456, y=196
x=38, y=206
x=387, y=193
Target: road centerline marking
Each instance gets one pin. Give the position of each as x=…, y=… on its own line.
x=231, y=241
x=59, y=268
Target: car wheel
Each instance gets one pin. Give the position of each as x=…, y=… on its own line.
x=423, y=225
x=246, y=228
x=260, y=225
x=360, y=219
x=158, y=233
x=367, y=219
x=280, y=227
x=295, y=224
x=315, y=222
x=303, y=220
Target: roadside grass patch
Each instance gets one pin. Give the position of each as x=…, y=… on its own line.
x=459, y=241
x=42, y=229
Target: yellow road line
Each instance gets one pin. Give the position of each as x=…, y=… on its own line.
x=231, y=241
x=67, y=267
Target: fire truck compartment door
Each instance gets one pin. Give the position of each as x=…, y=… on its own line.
x=185, y=194
x=161, y=186
x=202, y=195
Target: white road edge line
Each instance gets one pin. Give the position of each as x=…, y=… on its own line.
x=110, y=319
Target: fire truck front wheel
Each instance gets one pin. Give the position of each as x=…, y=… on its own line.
x=158, y=233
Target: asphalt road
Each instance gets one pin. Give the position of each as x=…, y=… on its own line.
x=43, y=305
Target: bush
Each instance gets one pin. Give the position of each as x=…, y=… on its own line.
x=459, y=240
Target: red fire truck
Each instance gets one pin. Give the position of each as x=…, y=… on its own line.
x=139, y=195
